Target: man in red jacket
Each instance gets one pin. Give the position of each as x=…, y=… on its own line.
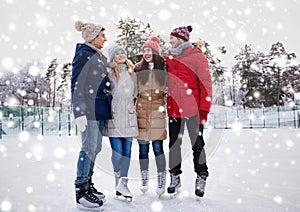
x=188, y=102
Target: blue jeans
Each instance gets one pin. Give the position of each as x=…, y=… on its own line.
x=121, y=154
x=158, y=152
x=91, y=146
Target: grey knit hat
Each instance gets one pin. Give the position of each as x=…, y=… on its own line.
x=112, y=51
x=89, y=31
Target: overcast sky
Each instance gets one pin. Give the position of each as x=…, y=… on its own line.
x=43, y=30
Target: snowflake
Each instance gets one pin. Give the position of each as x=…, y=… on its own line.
x=241, y=36
x=50, y=118
x=189, y=91
x=7, y=63
x=6, y=205
x=24, y=136
x=161, y=109
x=231, y=24
x=38, y=151
x=239, y=201
x=51, y=177
x=236, y=126
x=31, y=208
x=156, y=206
x=29, y=190
x=164, y=15
x=59, y=152
x=30, y=102
x=28, y=155
x=278, y=199
x=289, y=143
x=227, y=151
x=36, y=124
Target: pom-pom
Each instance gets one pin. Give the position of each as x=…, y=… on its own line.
x=156, y=40
x=78, y=25
x=189, y=27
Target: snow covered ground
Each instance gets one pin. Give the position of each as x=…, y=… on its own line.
x=250, y=170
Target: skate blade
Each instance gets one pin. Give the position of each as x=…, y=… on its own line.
x=124, y=198
x=198, y=199
x=173, y=195
x=159, y=194
x=86, y=209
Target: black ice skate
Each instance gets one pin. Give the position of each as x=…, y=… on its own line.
x=97, y=193
x=200, y=186
x=174, y=185
x=86, y=200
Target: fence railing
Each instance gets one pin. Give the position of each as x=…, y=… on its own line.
x=60, y=121
x=37, y=120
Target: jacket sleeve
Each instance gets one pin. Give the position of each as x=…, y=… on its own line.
x=80, y=67
x=205, y=84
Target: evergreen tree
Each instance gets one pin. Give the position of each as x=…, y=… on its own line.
x=51, y=76
x=134, y=34
x=64, y=85
x=248, y=78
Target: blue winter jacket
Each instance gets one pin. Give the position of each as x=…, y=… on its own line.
x=89, y=79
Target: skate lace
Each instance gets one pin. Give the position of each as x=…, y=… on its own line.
x=93, y=189
x=174, y=180
x=144, y=177
x=161, y=178
x=92, y=197
x=200, y=184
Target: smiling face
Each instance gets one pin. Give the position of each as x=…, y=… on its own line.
x=99, y=41
x=148, y=54
x=120, y=57
x=174, y=41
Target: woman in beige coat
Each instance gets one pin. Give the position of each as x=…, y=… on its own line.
x=151, y=114
x=123, y=126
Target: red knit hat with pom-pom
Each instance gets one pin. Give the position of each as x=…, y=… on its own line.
x=153, y=43
x=182, y=32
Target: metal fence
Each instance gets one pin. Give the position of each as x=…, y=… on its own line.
x=60, y=121
x=37, y=120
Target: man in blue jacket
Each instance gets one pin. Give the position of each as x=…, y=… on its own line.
x=91, y=107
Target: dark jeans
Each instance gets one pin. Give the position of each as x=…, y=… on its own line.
x=176, y=130
x=158, y=152
x=121, y=154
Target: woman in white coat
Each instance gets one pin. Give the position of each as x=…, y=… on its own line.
x=123, y=126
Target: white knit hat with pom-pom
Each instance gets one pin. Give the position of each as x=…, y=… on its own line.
x=89, y=31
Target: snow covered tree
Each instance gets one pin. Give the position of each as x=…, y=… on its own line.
x=51, y=76
x=134, y=34
x=266, y=80
x=25, y=87
x=284, y=74
x=65, y=83
x=248, y=78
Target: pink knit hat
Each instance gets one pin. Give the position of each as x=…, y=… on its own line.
x=182, y=32
x=153, y=43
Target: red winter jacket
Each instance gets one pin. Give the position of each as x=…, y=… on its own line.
x=189, y=86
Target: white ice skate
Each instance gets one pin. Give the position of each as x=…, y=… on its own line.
x=145, y=179
x=161, y=183
x=122, y=190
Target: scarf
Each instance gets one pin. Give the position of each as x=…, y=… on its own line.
x=179, y=49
